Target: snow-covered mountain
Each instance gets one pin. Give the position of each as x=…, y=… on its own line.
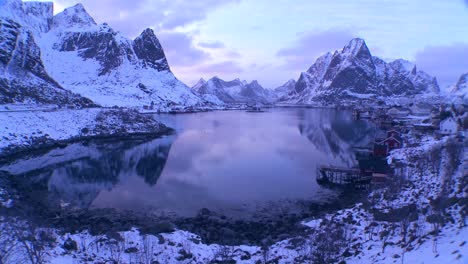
x=354, y=73
x=286, y=88
x=97, y=62
x=218, y=91
x=199, y=84
x=23, y=77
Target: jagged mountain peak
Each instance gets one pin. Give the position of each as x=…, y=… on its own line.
x=235, y=91
x=357, y=47
x=148, y=49
x=73, y=17
x=199, y=84
x=147, y=33
x=353, y=73
x=404, y=65
x=254, y=82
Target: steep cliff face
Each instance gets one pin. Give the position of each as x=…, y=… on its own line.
x=24, y=78
x=353, y=73
x=148, y=49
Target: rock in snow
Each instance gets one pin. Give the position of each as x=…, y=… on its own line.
x=354, y=73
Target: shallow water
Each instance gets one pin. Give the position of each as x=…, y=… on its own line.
x=233, y=162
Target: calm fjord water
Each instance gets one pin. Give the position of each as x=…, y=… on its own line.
x=232, y=162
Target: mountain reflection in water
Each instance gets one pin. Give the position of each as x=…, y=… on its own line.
x=232, y=162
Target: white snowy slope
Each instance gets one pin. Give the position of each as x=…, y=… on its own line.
x=353, y=73
x=235, y=91
x=97, y=62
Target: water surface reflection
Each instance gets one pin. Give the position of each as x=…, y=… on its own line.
x=231, y=162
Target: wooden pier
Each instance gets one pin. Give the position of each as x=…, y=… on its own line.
x=338, y=176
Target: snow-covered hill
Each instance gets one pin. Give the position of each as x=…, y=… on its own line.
x=217, y=90
x=354, y=73
x=97, y=62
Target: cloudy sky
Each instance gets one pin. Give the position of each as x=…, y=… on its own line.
x=274, y=40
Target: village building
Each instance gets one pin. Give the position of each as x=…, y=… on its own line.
x=448, y=126
x=393, y=133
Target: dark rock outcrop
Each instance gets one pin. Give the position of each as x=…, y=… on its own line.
x=148, y=49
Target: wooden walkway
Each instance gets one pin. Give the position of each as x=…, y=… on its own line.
x=331, y=175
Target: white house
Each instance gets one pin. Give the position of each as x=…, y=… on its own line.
x=448, y=126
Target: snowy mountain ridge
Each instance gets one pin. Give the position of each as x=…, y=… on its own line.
x=218, y=91
x=353, y=73
x=97, y=62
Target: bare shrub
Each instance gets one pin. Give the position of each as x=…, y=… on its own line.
x=328, y=243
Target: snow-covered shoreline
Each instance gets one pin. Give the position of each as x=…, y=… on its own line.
x=28, y=130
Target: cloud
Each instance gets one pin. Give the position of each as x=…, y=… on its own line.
x=181, y=12
x=233, y=55
x=310, y=45
x=131, y=17
x=180, y=50
x=212, y=45
x=220, y=68
x=446, y=62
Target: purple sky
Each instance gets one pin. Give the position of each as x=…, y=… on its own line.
x=273, y=41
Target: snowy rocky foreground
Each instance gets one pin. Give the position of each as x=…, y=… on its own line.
x=25, y=130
